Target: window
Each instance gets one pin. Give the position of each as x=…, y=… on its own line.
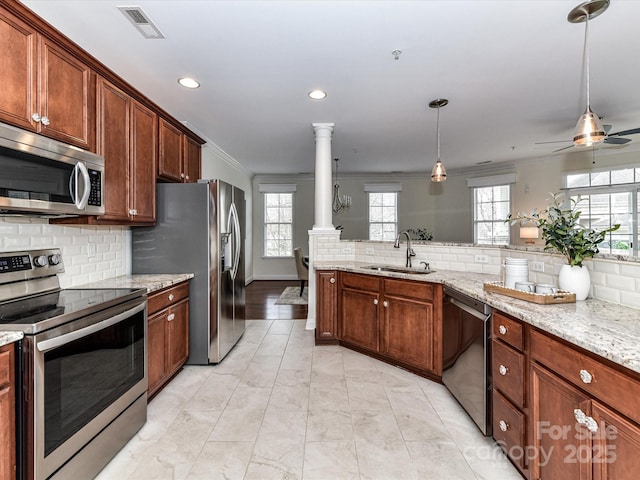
x=491, y=208
x=278, y=224
x=605, y=198
x=383, y=215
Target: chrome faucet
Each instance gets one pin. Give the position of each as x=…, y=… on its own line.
x=410, y=252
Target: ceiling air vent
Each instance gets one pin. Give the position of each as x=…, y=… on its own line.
x=141, y=21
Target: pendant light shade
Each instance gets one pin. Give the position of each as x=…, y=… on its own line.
x=438, y=173
x=589, y=130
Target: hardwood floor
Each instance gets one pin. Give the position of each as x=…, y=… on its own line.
x=261, y=296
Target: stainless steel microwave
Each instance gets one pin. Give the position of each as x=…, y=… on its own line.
x=43, y=177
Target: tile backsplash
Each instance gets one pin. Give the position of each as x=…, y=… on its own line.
x=89, y=253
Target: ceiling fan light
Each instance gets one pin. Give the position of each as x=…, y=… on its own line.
x=438, y=173
x=589, y=130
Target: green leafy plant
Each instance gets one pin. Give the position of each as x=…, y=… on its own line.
x=420, y=233
x=562, y=231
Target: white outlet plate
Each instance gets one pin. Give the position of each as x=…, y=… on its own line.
x=537, y=266
x=346, y=250
x=481, y=259
x=368, y=250
x=91, y=250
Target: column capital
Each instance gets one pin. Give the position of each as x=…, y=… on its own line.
x=323, y=128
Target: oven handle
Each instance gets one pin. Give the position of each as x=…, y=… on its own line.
x=469, y=310
x=55, y=342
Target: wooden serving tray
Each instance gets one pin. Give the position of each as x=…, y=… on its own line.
x=561, y=296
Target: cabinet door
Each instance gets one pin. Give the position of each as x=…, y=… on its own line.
x=156, y=350
x=169, y=152
x=408, y=331
x=192, y=161
x=7, y=413
x=113, y=128
x=66, y=97
x=562, y=447
x=359, y=318
x=17, y=72
x=143, y=163
x=178, y=335
x=327, y=305
x=616, y=445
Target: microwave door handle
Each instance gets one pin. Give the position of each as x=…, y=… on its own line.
x=82, y=203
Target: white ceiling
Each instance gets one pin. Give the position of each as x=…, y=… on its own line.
x=512, y=71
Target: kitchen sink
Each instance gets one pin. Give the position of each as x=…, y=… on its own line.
x=388, y=268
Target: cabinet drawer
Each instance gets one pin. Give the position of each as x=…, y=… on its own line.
x=618, y=390
x=162, y=299
x=5, y=365
x=508, y=330
x=508, y=427
x=360, y=282
x=508, y=372
x=408, y=289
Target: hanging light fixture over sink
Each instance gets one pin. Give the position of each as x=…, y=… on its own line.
x=438, y=173
x=589, y=129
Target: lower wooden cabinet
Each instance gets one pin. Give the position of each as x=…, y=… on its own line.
x=167, y=335
x=396, y=320
x=326, y=306
x=7, y=413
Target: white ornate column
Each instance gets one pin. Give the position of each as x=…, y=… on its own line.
x=323, y=224
x=322, y=210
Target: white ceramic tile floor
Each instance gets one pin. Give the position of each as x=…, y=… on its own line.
x=278, y=407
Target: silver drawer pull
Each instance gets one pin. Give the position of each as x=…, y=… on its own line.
x=171, y=297
x=171, y=317
x=504, y=426
x=585, y=376
x=502, y=329
x=503, y=370
x=375, y=301
x=332, y=280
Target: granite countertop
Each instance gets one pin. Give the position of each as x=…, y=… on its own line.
x=606, y=329
x=151, y=282
x=9, y=337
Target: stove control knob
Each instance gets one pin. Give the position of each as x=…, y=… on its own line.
x=54, y=259
x=40, y=261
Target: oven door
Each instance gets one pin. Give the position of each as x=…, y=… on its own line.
x=84, y=374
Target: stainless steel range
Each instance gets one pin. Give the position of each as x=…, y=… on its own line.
x=83, y=370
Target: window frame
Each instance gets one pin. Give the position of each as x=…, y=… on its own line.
x=266, y=224
x=476, y=222
x=370, y=222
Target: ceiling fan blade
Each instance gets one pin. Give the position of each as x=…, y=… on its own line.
x=555, y=141
x=564, y=148
x=616, y=140
x=633, y=131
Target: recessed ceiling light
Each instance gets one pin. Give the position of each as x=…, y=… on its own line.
x=317, y=94
x=188, y=82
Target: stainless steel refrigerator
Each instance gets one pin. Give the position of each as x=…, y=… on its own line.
x=200, y=229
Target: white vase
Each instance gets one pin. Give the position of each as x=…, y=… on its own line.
x=575, y=279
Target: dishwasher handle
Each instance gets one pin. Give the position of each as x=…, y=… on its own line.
x=469, y=310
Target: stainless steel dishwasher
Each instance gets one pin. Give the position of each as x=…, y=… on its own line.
x=467, y=355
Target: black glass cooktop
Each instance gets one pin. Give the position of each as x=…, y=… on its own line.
x=47, y=310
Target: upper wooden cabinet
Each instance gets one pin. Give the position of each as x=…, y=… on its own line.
x=179, y=155
x=127, y=140
x=44, y=88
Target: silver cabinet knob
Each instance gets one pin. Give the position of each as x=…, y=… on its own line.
x=186, y=177
x=385, y=304
x=182, y=175
x=171, y=297
x=375, y=301
x=35, y=117
x=585, y=376
x=502, y=329
x=45, y=121
x=504, y=426
x=503, y=370
x=171, y=317
x=332, y=280
x=583, y=419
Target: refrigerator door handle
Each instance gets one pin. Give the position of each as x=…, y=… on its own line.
x=234, y=229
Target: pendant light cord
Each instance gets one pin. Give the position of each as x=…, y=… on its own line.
x=438, y=134
x=586, y=53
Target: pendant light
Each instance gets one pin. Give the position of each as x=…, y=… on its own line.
x=438, y=174
x=589, y=130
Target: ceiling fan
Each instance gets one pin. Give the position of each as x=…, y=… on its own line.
x=615, y=138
